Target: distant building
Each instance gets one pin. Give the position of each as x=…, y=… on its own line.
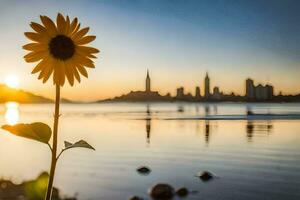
x=216, y=93
x=207, y=86
x=197, y=93
x=180, y=93
x=250, y=89
x=188, y=96
x=146, y=95
x=148, y=83
x=270, y=91
x=259, y=92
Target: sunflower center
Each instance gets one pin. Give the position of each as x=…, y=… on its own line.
x=62, y=47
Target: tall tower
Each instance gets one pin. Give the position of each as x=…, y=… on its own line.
x=148, y=82
x=250, y=93
x=207, y=86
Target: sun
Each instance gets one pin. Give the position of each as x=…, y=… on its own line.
x=12, y=81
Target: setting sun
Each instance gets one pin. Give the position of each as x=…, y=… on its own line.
x=12, y=81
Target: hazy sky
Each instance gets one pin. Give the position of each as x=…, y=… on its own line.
x=178, y=41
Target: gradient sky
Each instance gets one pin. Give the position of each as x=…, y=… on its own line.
x=178, y=41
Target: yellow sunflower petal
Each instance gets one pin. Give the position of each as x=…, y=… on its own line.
x=88, y=50
x=39, y=66
x=48, y=71
x=35, y=56
x=38, y=28
x=35, y=47
x=69, y=73
x=85, y=40
x=55, y=77
x=76, y=74
x=80, y=33
x=82, y=71
x=40, y=76
x=83, y=60
x=60, y=22
x=48, y=74
x=75, y=30
x=49, y=25
x=43, y=64
x=90, y=65
x=37, y=69
x=91, y=56
x=84, y=53
x=44, y=70
x=36, y=37
x=73, y=24
x=67, y=28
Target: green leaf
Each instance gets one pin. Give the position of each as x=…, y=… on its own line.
x=36, y=131
x=68, y=144
x=81, y=144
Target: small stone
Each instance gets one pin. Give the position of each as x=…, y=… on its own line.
x=249, y=112
x=162, y=191
x=135, y=198
x=206, y=176
x=144, y=170
x=182, y=192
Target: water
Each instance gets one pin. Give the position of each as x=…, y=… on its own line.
x=254, y=158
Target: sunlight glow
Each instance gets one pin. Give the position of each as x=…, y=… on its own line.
x=12, y=81
x=12, y=113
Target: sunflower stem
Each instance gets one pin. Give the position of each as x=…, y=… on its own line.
x=54, y=146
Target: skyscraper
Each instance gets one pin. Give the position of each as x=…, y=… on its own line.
x=197, y=93
x=180, y=93
x=250, y=93
x=207, y=86
x=270, y=91
x=148, y=82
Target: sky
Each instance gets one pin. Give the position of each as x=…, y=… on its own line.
x=177, y=40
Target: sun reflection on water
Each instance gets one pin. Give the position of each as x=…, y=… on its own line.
x=12, y=113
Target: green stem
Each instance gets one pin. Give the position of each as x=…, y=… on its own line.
x=54, y=146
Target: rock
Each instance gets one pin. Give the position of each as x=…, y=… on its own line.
x=182, y=192
x=206, y=176
x=162, y=191
x=144, y=170
x=249, y=112
x=135, y=198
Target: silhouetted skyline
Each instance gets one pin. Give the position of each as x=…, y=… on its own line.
x=251, y=93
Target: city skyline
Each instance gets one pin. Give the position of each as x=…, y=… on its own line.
x=232, y=40
x=253, y=92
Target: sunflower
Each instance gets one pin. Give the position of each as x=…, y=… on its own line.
x=60, y=49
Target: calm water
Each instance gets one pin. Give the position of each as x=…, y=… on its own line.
x=257, y=158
